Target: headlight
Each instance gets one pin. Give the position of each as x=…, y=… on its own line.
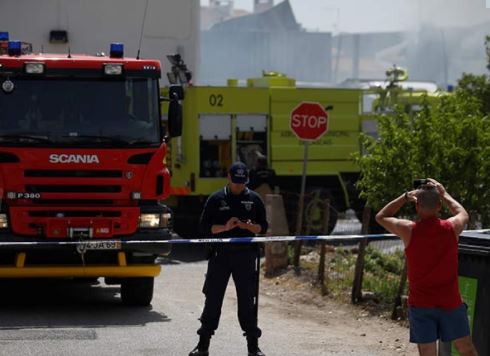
x=150, y=220
x=155, y=220
x=113, y=69
x=3, y=221
x=34, y=68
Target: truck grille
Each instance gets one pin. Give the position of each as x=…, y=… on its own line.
x=81, y=184
x=74, y=213
x=65, y=202
x=74, y=202
x=32, y=188
x=74, y=174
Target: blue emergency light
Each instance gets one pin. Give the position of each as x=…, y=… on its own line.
x=4, y=36
x=117, y=50
x=15, y=48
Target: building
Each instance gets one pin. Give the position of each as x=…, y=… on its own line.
x=89, y=26
x=270, y=40
x=221, y=10
x=218, y=11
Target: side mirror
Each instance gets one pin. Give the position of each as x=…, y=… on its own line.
x=174, y=118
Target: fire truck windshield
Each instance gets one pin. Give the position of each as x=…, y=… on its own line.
x=80, y=111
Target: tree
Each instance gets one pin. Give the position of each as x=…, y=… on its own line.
x=478, y=85
x=449, y=140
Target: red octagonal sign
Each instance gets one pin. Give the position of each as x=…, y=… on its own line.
x=309, y=121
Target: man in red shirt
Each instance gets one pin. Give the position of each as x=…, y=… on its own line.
x=436, y=310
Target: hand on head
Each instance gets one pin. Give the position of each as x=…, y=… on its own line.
x=412, y=196
x=440, y=188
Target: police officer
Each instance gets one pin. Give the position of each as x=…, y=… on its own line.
x=234, y=211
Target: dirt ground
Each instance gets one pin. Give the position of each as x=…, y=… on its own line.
x=347, y=327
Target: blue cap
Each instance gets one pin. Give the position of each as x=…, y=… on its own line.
x=4, y=36
x=239, y=173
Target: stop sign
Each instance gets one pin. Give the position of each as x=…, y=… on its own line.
x=309, y=121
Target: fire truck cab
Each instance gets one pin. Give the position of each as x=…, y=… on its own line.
x=82, y=168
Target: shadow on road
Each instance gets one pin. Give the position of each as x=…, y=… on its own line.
x=185, y=253
x=50, y=303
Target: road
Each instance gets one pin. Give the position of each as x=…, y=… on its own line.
x=68, y=318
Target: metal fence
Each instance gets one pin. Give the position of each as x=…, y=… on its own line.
x=370, y=271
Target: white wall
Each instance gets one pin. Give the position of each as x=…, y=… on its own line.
x=172, y=26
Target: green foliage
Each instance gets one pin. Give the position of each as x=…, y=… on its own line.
x=448, y=140
x=379, y=263
x=381, y=273
x=340, y=274
x=477, y=86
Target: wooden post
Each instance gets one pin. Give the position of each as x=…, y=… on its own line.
x=301, y=208
x=323, y=248
x=297, y=254
x=356, y=296
x=276, y=253
x=398, y=299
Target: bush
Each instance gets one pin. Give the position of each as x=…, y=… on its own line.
x=448, y=140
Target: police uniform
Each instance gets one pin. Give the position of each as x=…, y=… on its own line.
x=236, y=260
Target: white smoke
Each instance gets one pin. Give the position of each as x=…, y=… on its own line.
x=437, y=40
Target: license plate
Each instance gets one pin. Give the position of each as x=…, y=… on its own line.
x=102, y=245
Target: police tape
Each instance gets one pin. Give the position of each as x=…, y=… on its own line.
x=334, y=239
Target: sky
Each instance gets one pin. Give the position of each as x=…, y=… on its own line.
x=381, y=15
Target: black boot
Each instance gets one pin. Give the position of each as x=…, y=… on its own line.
x=202, y=348
x=253, y=347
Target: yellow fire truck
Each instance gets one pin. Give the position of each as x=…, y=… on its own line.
x=223, y=124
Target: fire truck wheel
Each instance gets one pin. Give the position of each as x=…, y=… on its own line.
x=137, y=291
x=315, y=211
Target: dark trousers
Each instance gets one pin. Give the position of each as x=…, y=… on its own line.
x=240, y=264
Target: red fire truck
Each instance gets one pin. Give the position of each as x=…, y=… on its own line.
x=82, y=167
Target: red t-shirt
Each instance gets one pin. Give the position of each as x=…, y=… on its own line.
x=432, y=260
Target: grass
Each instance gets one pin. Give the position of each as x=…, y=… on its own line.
x=382, y=273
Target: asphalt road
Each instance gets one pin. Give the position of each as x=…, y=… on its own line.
x=68, y=318
x=53, y=317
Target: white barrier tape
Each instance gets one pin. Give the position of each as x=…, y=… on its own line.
x=232, y=240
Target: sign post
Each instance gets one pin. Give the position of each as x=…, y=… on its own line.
x=309, y=122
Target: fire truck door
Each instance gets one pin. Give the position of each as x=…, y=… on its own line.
x=214, y=145
x=251, y=138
